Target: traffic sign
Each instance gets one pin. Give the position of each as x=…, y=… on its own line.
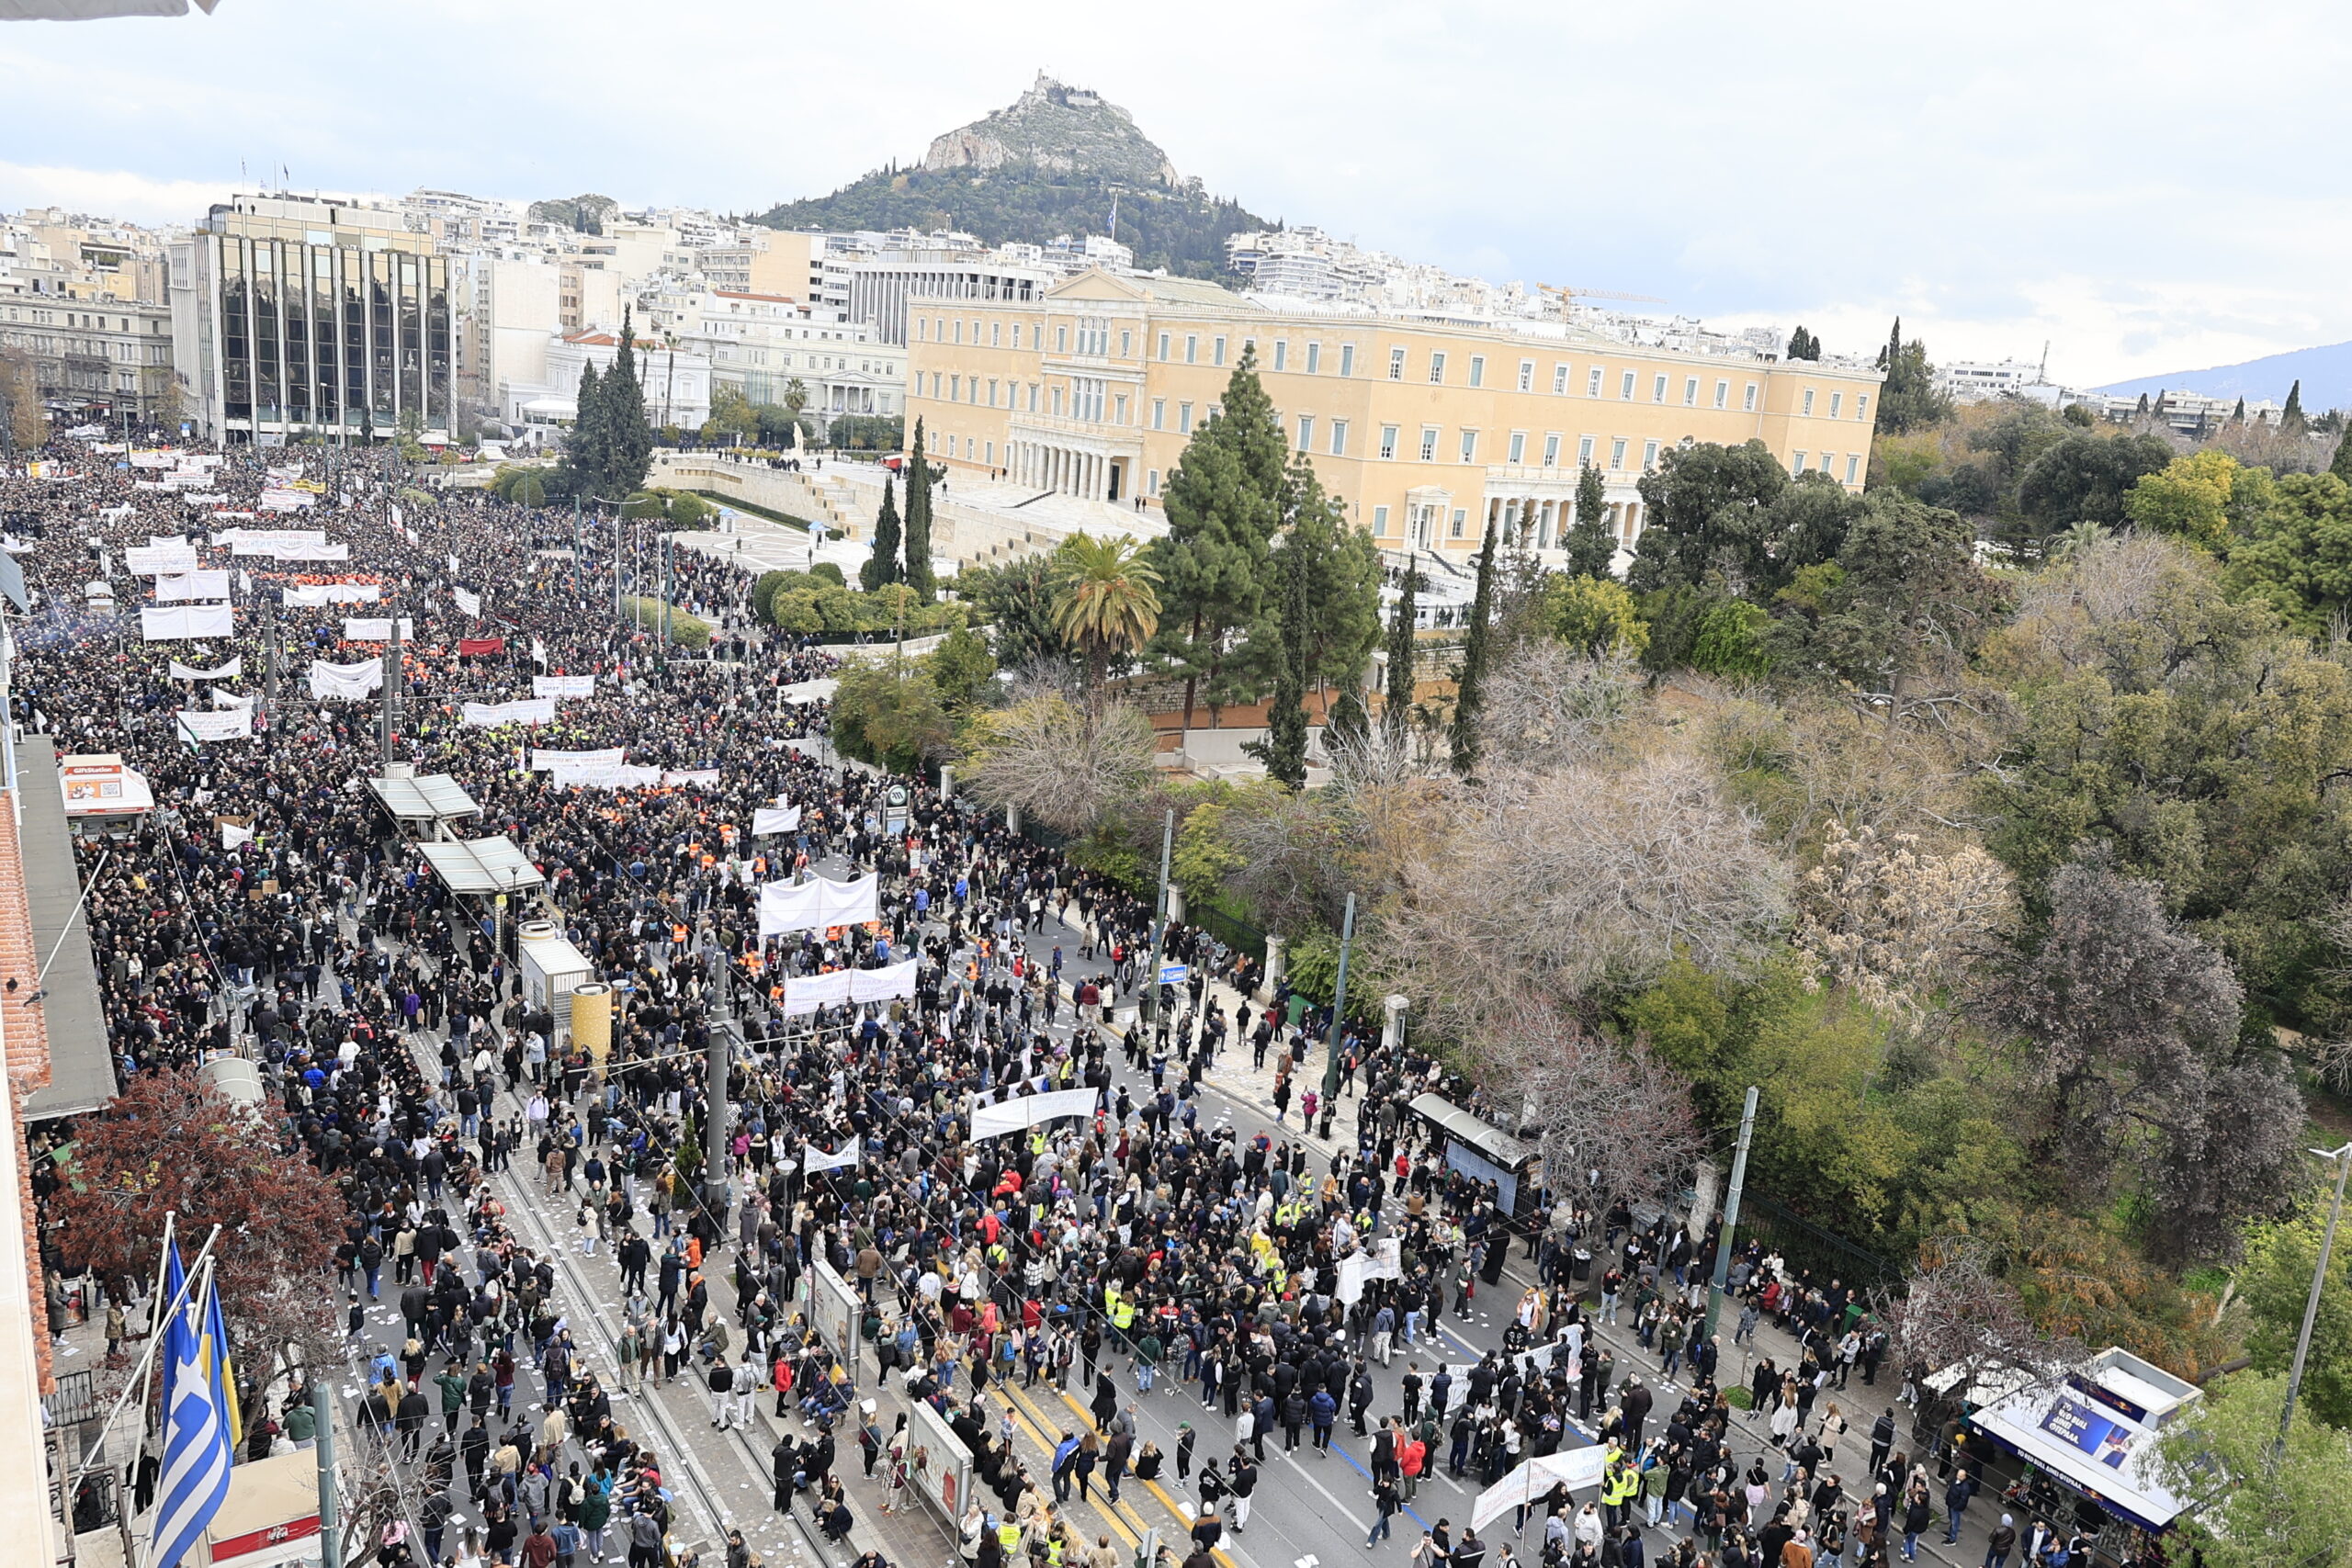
x=1175, y=974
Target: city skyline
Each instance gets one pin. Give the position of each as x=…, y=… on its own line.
x=1986, y=191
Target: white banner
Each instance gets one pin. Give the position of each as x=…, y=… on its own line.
x=236, y=723
x=774, y=820
x=693, y=778
x=1576, y=1467
x=527, y=710
x=563, y=685
x=469, y=601
x=229, y=672
x=815, y=904
x=157, y=541
x=232, y=835
x=269, y=541
x=806, y=993
x=376, y=628
x=543, y=758
x=814, y=1159
x=156, y=560
x=180, y=622
x=311, y=552
x=224, y=698
x=188, y=585
x=275, y=500
x=603, y=775
x=886, y=983
x=347, y=681
x=1030, y=1110
x=316, y=595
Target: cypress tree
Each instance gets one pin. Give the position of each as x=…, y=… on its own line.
x=917, y=574
x=882, y=560
x=2291, y=418
x=628, y=452
x=2341, y=464
x=1347, y=725
x=1891, y=355
x=1397, y=703
x=584, y=449
x=2238, y=414
x=1285, y=749
x=1591, y=545
x=1468, y=699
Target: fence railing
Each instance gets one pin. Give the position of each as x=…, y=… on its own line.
x=1807, y=1247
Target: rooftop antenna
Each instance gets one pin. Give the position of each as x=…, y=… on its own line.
x=2041, y=377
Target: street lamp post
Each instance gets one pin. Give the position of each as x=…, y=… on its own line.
x=1339, y=1018
x=2342, y=1158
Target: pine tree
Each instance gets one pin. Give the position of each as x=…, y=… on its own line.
x=1803, y=344
x=1225, y=499
x=882, y=559
x=2291, y=418
x=1591, y=544
x=1398, y=705
x=1468, y=700
x=918, y=575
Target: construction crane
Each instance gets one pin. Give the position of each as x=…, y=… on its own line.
x=1570, y=294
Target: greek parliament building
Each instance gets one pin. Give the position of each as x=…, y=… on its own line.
x=1426, y=429
x=295, y=314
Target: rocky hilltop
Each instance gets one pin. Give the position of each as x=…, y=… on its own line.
x=1066, y=129
x=1059, y=160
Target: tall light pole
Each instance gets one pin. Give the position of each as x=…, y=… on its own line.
x=1730, y=1213
x=2342, y=1158
x=1339, y=1017
x=1148, y=1003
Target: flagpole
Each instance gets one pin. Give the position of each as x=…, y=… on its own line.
x=156, y=1321
x=196, y=1284
x=146, y=1363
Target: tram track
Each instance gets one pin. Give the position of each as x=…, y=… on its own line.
x=703, y=1492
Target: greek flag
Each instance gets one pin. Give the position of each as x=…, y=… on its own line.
x=195, y=1480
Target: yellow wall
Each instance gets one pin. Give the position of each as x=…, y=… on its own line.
x=966, y=346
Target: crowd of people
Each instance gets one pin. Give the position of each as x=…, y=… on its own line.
x=1150, y=1249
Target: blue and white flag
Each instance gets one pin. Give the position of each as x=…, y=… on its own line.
x=195, y=1480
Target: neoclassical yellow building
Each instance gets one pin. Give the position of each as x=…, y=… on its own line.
x=1424, y=428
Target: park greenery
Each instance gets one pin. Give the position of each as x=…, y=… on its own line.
x=1993, y=821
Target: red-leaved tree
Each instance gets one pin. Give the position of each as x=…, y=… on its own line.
x=169, y=1144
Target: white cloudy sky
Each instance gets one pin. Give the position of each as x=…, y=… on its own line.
x=2148, y=188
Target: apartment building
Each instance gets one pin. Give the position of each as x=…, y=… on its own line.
x=1426, y=429
x=84, y=301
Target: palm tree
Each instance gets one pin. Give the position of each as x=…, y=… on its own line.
x=1104, y=602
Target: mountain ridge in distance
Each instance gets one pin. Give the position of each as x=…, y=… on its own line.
x=2324, y=370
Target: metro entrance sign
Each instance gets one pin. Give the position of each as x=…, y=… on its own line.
x=1175, y=974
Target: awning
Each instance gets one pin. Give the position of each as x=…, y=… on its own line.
x=482, y=865
x=80, y=1063
x=429, y=798
x=1492, y=1141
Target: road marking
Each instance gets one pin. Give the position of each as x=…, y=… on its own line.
x=1345, y=1512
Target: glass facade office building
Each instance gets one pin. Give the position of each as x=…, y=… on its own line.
x=328, y=331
